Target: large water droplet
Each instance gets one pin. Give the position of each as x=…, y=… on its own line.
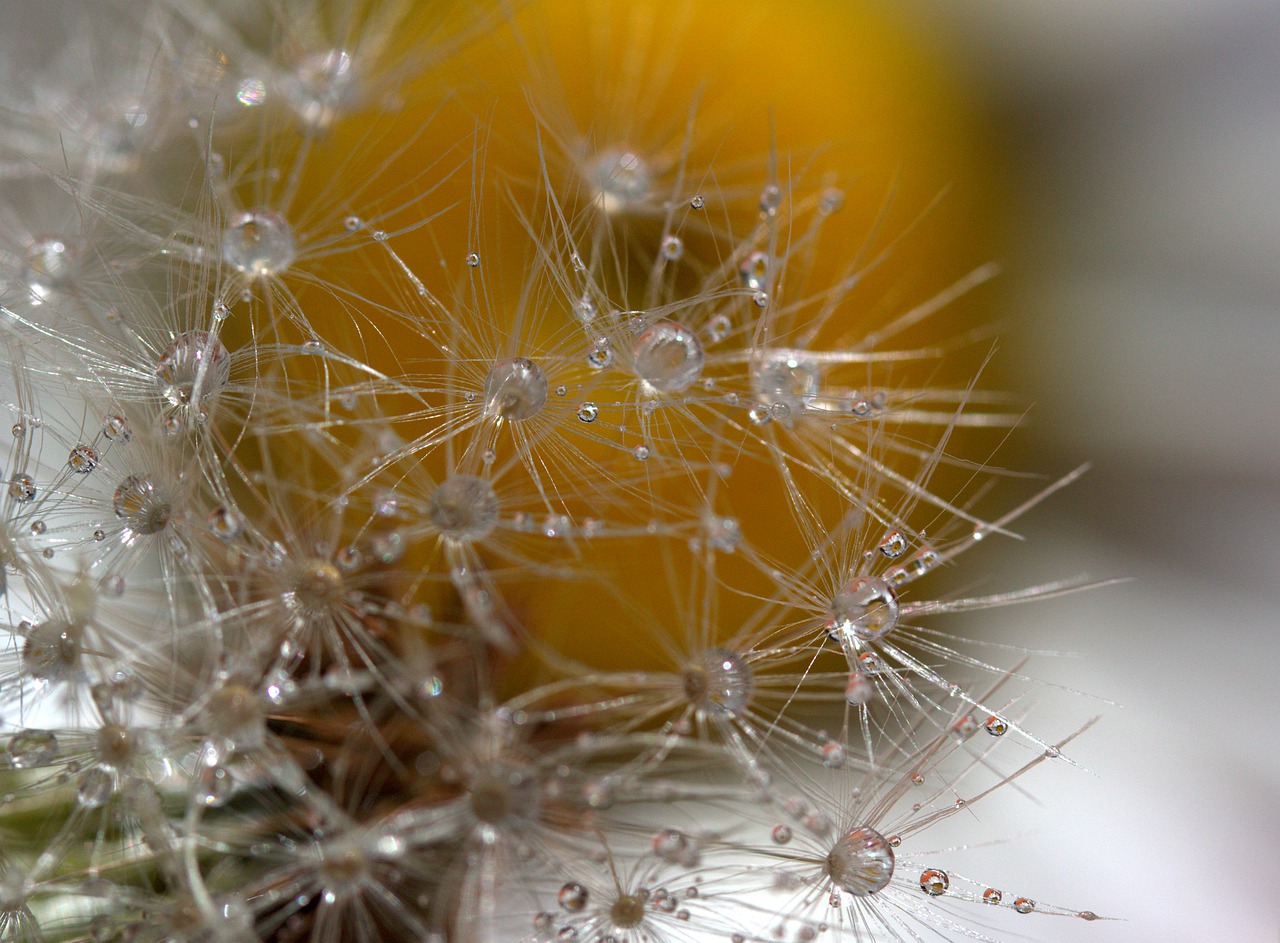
x=573, y=897
x=621, y=179
x=790, y=379
x=934, y=882
x=867, y=609
x=861, y=862
x=464, y=507
x=94, y=788
x=143, y=507
x=668, y=357
x=258, y=242
x=28, y=749
x=48, y=266
x=83, y=459
x=720, y=682
x=515, y=389
x=195, y=366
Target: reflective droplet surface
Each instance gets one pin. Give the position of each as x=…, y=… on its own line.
x=781, y=834
x=866, y=609
x=1024, y=905
x=143, y=507
x=668, y=357
x=675, y=847
x=894, y=544
x=83, y=459
x=858, y=689
x=194, y=367
x=621, y=180
x=473, y=259
x=672, y=248
x=996, y=726
x=464, y=507
x=516, y=389
x=588, y=412
x=94, y=788
x=992, y=896
x=720, y=682
x=861, y=862
x=116, y=429
x=786, y=378
x=934, y=882
x=834, y=754
x=754, y=271
x=258, y=243
x=572, y=897
x=226, y=523
x=29, y=749
x=48, y=267
x=22, y=488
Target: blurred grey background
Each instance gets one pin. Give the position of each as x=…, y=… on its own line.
x=1145, y=144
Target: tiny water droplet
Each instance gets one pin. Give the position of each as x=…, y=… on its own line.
x=588, y=412
x=473, y=259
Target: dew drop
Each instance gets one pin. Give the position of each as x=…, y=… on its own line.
x=858, y=690
x=754, y=271
x=770, y=198
x=48, y=266
x=720, y=682
x=116, y=429
x=894, y=544
x=934, y=882
x=28, y=749
x=573, y=897
x=866, y=609
x=22, y=488
x=94, y=789
x=195, y=365
x=83, y=459
x=473, y=259
x=1024, y=905
x=251, y=92
x=142, y=505
x=760, y=415
x=992, y=896
x=672, y=248
x=641, y=452
x=675, y=847
x=781, y=834
x=601, y=355
x=786, y=378
x=515, y=389
x=697, y=203
x=861, y=862
x=226, y=523
x=668, y=357
x=258, y=243
x=588, y=412
x=834, y=754
x=996, y=726
x=621, y=180
x=760, y=299
x=464, y=507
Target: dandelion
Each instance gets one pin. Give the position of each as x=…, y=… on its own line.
x=483, y=473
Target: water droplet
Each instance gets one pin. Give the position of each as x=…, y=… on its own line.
x=675, y=847
x=18, y=430
x=258, y=242
x=542, y=921
x=697, y=203
x=858, y=690
x=464, y=507
x=585, y=309
x=917, y=779
x=621, y=180
x=866, y=609
x=142, y=505
x=473, y=259
x=754, y=271
x=588, y=412
x=601, y=355
x=668, y=357
x=861, y=862
x=760, y=299
x=770, y=198
x=672, y=248
x=781, y=834
x=83, y=459
x=992, y=896
x=572, y=897
x=251, y=92
x=48, y=267
x=723, y=533
x=38, y=528
x=720, y=683
x=195, y=366
x=964, y=728
x=353, y=223
x=1024, y=905
x=894, y=544
x=116, y=429
x=22, y=488
x=515, y=389
x=760, y=415
x=641, y=452
x=226, y=523
x=834, y=754
x=718, y=328
x=934, y=882
x=996, y=726
x=94, y=789
x=31, y=748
